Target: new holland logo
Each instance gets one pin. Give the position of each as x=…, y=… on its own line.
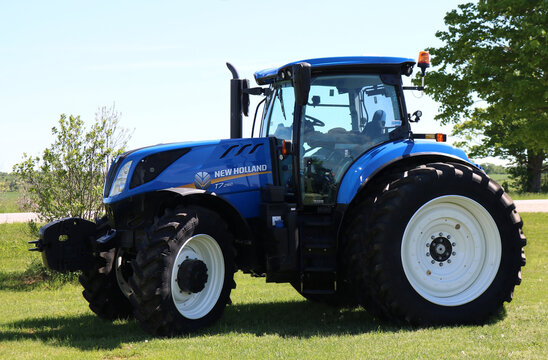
x=202, y=180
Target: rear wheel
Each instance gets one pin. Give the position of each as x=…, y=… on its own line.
x=183, y=273
x=459, y=254
x=445, y=246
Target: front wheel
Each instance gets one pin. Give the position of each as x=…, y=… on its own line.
x=105, y=285
x=183, y=273
x=446, y=246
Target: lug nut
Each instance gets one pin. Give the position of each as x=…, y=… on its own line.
x=433, y=262
x=433, y=237
x=427, y=244
x=441, y=264
x=453, y=253
x=427, y=254
x=448, y=237
x=454, y=244
x=449, y=261
x=441, y=234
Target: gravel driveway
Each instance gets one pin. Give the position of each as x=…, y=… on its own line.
x=18, y=217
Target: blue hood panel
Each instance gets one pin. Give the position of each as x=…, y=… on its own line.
x=228, y=168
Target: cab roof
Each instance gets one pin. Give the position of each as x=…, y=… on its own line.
x=395, y=64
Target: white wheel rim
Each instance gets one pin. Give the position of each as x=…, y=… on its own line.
x=120, y=279
x=197, y=305
x=474, y=253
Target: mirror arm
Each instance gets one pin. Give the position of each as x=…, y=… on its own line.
x=421, y=88
x=258, y=91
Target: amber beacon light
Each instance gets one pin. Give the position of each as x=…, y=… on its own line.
x=424, y=61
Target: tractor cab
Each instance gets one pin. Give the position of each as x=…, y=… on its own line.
x=351, y=105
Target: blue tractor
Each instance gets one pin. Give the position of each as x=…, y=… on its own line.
x=336, y=196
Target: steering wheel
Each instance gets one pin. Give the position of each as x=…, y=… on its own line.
x=313, y=121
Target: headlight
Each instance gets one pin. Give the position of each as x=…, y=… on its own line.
x=121, y=180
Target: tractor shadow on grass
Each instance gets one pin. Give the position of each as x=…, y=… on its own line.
x=299, y=319
x=85, y=332
x=292, y=319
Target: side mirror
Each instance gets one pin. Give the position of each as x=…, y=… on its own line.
x=301, y=82
x=245, y=97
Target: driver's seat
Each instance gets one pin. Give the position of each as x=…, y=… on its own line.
x=375, y=127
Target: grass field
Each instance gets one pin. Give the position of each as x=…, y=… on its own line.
x=9, y=202
x=528, y=196
x=500, y=178
x=266, y=321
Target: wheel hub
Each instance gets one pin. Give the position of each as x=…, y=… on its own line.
x=441, y=249
x=192, y=276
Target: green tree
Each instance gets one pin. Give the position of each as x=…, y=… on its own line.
x=8, y=182
x=68, y=179
x=491, y=80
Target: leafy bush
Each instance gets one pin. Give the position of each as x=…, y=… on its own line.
x=68, y=179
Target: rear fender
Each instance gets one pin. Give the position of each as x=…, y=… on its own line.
x=387, y=155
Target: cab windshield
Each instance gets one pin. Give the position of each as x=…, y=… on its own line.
x=345, y=116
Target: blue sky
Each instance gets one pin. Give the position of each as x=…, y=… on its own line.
x=163, y=62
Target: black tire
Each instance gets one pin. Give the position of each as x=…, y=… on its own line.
x=480, y=259
x=169, y=301
x=102, y=289
x=356, y=251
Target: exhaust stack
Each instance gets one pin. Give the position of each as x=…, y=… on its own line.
x=239, y=102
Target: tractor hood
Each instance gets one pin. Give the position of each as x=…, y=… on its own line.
x=219, y=166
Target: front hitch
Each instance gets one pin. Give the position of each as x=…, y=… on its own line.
x=67, y=244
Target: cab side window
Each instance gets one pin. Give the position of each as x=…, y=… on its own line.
x=279, y=121
x=345, y=116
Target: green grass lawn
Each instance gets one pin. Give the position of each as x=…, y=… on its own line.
x=528, y=196
x=266, y=321
x=500, y=177
x=9, y=202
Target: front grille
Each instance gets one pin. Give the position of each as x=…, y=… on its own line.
x=151, y=166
